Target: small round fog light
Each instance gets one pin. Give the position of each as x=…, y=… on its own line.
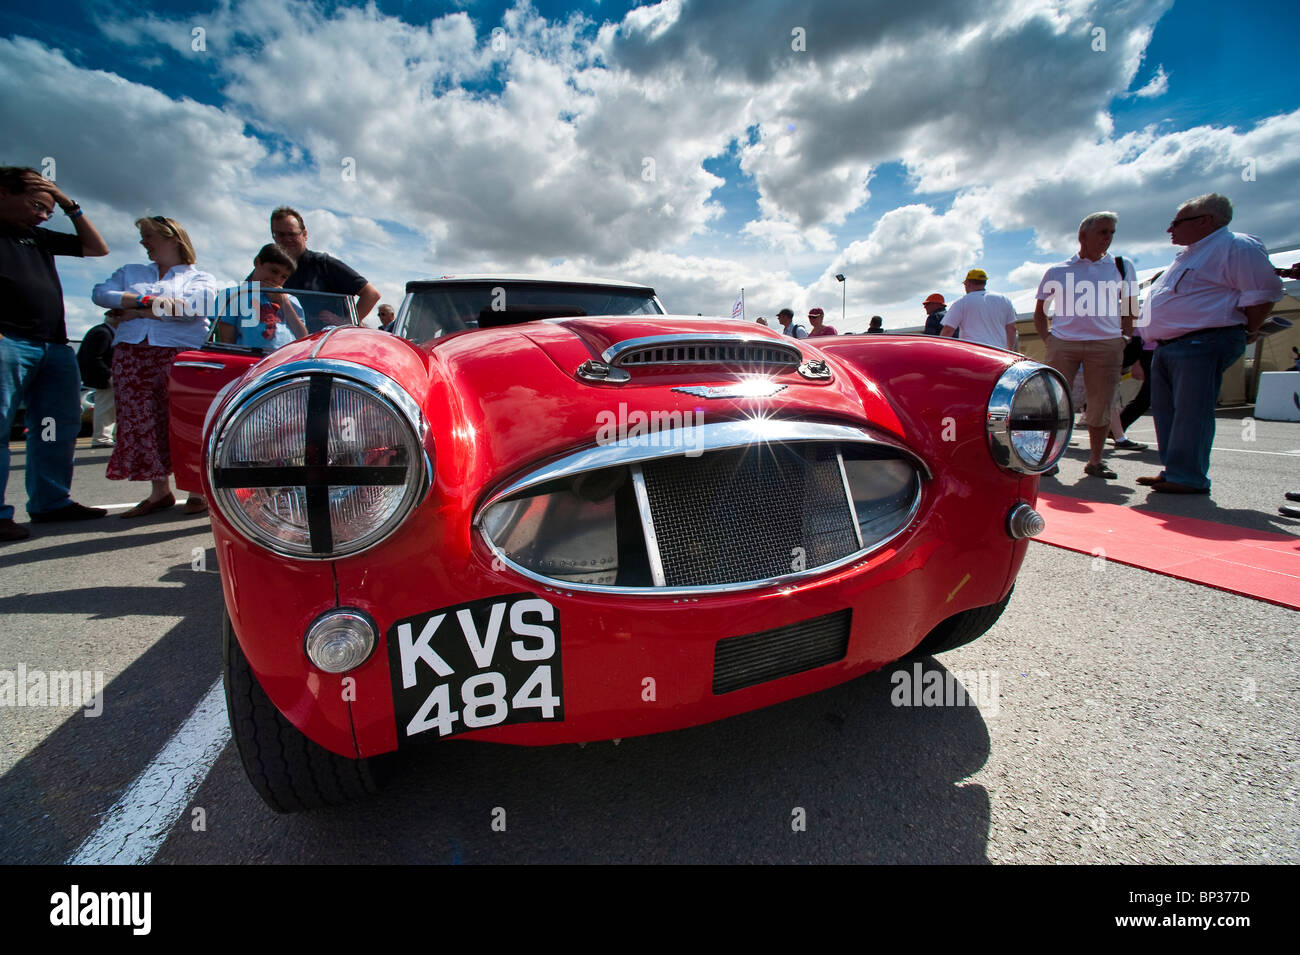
x=340, y=640
x=1024, y=521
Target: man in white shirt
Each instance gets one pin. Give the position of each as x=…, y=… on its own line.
x=984, y=317
x=1094, y=310
x=1201, y=312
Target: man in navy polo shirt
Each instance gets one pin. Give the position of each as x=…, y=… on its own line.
x=319, y=271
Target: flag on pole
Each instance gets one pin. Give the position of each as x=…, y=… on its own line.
x=738, y=310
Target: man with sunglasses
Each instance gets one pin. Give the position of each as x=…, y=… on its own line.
x=1200, y=313
x=37, y=365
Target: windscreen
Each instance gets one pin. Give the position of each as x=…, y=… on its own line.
x=437, y=311
x=261, y=317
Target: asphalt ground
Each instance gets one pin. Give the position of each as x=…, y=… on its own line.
x=1123, y=717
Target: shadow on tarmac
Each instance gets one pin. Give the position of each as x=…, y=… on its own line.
x=51, y=800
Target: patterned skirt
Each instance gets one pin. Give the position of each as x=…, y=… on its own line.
x=143, y=448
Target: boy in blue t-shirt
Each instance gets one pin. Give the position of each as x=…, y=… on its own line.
x=278, y=318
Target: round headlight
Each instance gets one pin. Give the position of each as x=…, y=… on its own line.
x=1029, y=418
x=317, y=465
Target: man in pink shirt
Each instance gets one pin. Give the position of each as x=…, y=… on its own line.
x=815, y=318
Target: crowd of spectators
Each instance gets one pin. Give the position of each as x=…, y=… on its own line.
x=153, y=311
x=1196, y=321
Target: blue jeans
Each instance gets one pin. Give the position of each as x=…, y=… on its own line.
x=1185, y=379
x=46, y=377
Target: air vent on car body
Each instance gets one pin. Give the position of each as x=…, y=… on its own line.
x=734, y=351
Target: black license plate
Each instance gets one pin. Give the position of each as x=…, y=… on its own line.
x=485, y=663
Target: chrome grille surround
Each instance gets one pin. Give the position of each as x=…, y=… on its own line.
x=830, y=526
x=750, y=353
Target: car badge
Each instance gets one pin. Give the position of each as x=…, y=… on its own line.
x=754, y=388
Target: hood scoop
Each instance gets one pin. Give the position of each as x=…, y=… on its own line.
x=745, y=353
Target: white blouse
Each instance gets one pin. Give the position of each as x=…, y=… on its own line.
x=184, y=282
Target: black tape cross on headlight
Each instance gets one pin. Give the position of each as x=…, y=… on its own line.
x=316, y=475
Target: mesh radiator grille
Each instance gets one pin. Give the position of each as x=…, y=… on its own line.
x=749, y=513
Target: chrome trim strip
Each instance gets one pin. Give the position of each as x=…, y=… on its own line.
x=648, y=527
x=708, y=437
x=739, y=586
x=848, y=496
x=613, y=353
x=324, y=338
x=210, y=365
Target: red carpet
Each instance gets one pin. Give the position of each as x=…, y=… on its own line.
x=1236, y=559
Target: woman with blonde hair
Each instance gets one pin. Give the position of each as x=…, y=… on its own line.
x=161, y=308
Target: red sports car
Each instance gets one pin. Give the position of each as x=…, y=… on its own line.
x=547, y=512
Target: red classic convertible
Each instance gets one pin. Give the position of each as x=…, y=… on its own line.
x=547, y=512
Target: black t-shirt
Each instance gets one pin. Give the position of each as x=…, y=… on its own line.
x=321, y=272
x=31, y=297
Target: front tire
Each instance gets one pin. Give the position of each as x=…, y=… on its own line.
x=289, y=771
x=961, y=628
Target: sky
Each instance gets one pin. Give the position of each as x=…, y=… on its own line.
x=698, y=147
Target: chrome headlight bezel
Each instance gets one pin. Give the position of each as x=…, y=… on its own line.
x=416, y=478
x=1007, y=417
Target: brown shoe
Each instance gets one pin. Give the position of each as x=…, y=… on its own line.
x=9, y=531
x=1151, y=480
x=195, y=505
x=150, y=507
x=1173, y=487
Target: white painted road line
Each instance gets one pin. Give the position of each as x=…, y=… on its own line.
x=1285, y=454
x=135, y=828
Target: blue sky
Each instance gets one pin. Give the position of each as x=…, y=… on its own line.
x=680, y=144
